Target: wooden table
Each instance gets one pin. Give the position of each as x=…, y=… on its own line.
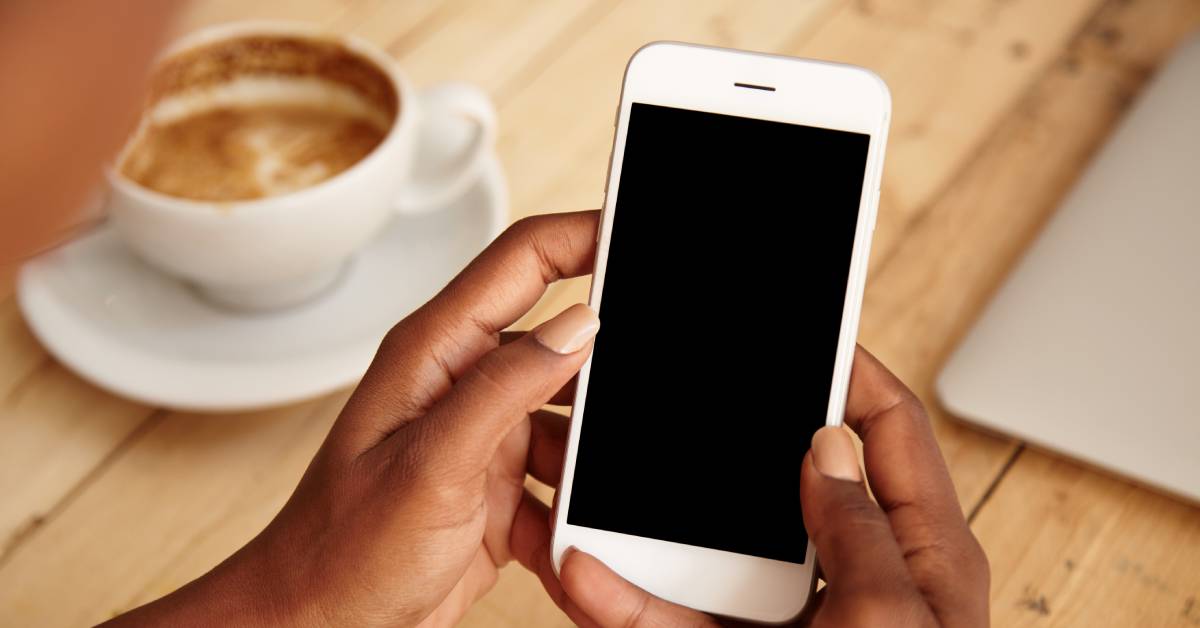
x=998, y=106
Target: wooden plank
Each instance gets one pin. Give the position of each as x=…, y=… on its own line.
x=1070, y=546
x=179, y=500
x=520, y=40
x=56, y=429
x=385, y=22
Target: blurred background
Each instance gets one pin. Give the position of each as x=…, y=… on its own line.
x=998, y=107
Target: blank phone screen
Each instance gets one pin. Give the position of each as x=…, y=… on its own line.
x=721, y=308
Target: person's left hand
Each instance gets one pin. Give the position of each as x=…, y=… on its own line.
x=417, y=496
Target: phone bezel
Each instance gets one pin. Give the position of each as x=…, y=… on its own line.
x=812, y=93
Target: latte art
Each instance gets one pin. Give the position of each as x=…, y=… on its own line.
x=249, y=151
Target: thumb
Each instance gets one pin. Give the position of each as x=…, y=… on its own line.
x=855, y=545
x=506, y=384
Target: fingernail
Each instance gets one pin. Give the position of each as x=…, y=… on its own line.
x=834, y=456
x=569, y=331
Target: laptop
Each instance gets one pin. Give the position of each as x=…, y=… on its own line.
x=1091, y=347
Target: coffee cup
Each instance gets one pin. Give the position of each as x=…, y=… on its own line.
x=269, y=153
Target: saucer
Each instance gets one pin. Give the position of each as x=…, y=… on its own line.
x=141, y=334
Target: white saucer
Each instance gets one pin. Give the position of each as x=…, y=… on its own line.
x=127, y=328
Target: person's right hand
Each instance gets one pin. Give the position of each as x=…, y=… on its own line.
x=908, y=560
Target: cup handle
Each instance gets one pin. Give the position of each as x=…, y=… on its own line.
x=449, y=153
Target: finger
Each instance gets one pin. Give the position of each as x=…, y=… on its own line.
x=547, y=445
x=910, y=480
x=852, y=536
x=530, y=543
x=904, y=464
x=610, y=600
x=461, y=433
x=423, y=355
x=565, y=395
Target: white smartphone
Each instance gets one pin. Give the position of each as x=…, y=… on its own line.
x=731, y=258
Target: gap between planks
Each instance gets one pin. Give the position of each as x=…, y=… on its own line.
x=114, y=454
x=995, y=483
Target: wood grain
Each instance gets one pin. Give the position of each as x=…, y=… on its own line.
x=58, y=430
x=22, y=352
x=174, y=502
x=1070, y=546
x=998, y=105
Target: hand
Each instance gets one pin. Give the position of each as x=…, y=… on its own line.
x=908, y=560
x=408, y=509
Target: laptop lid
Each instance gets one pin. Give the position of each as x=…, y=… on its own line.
x=1092, y=345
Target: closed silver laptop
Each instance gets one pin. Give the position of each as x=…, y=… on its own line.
x=1092, y=345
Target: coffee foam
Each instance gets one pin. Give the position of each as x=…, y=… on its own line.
x=247, y=151
x=263, y=72
x=274, y=56
x=267, y=90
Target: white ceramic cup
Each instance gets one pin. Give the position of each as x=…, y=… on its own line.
x=281, y=250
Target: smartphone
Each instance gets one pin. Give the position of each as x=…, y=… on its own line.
x=729, y=274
